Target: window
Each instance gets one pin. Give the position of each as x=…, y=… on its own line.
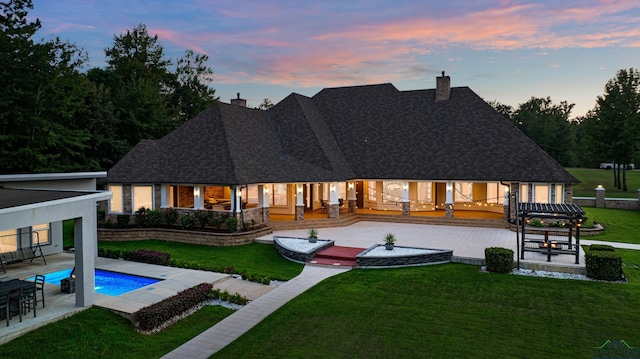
x=559, y=193
x=463, y=191
x=342, y=190
x=496, y=193
x=540, y=193
x=279, y=194
x=142, y=197
x=392, y=191
x=116, y=202
x=424, y=192
x=8, y=241
x=252, y=193
x=524, y=193
x=40, y=234
x=371, y=191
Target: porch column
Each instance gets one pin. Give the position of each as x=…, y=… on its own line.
x=506, y=199
x=299, y=202
x=163, y=195
x=334, y=203
x=237, y=192
x=351, y=196
x=406, y=204
x=448, y=204
x=263, y=202
x=198, y=197
x=84, y=229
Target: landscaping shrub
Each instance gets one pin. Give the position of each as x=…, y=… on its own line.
x=602, y=248
x=202, y=217
x=228, y=297
x=155, y=218
x=603, y=265
x=217, y=220
x=187, y=221
x=148, y=256
x=170, y=216
x=535, y=223
x=157, y=314
x=140, y=217
x=499, y=260
x=122, y=220
x=232, y=224
x=111, y=253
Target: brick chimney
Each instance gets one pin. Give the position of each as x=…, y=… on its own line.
x=239, y=101
x=443, y=87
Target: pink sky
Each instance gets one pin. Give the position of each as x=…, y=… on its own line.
x=504, y=50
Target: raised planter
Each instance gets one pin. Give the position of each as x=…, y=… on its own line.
x=402, y=256
x=68, y=285
x=182, y=236
x=300, y=249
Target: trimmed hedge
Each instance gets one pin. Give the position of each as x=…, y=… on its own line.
x=603, y=265
x=155, y=315
x=148, y=256
x=499, y=260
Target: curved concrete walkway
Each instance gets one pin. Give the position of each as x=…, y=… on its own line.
x=233, y=326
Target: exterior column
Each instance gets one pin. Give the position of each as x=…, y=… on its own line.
x=198, y=197
x=299, y=202
x=448, y=205
x=506, y=201
x=406, y=204
x=334, y=203
x=84, y=229
x=163, y=195
x=600, y=191
x=238, y=196
x=351, y=196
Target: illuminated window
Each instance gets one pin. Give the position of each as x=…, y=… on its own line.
x=40, y=234
x=559, y=193
x=371, y=191
x=424, y=192
x=463, y=191
x=524, y=193
x=392, y=191
x=252, y=193
x=541, y=193
x=116, y=202
x=8, y=241
x=495, y=192
x=142, y=197
x=279, y=194
x=342, y=189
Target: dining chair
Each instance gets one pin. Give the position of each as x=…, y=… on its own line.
x=28, y=299
x=39, y=281
x=5, y=305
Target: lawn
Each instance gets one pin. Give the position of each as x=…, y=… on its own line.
x=590, y=178
x=450, y=310
x=99, y=333
x=255, y=258
x=619, y=225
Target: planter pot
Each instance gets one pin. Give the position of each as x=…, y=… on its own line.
x=313, y=240
x=388, y=246
x=68, y=285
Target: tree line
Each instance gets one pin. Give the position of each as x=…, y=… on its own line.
x=610, y=132
x=55, y=116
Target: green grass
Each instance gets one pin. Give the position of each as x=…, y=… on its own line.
x=450, y=310
x=255, y=258
x=620, y=225
x=99, y=333
x=67, y=234
x=590, y=178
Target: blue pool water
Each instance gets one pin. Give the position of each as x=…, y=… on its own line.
x=109, y=283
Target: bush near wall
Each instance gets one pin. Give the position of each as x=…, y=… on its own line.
x=602, y=248
x=499, y=260
x=148, y=256
x=153, y=316
x=603, y=265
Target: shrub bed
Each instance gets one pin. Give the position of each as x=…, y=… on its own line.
x=603, y=265
x=148, y=256
x=499, y=260
x=228, y=297
x=601, y=248
x=155, y=315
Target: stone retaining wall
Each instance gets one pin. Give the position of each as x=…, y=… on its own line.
x=181, y=236
x=299, y=256
x=441, y=256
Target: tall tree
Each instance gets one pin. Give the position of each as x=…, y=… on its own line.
x=265, y=105
x=616, y=128
x=548, y=125
x=40, y=96
x=191, y=91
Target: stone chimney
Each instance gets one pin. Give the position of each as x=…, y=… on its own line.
x=239, y=101
x=443, y=87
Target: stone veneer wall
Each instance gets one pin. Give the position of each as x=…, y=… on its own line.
x=299, y=256
x=441, y=256
x=181, y=236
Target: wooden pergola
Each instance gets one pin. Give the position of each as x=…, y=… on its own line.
x=557, y=236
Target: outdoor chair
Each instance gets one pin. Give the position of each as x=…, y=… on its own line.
x=5, y=305
x=39, y=283
x=28, y=299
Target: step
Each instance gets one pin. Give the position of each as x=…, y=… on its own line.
x=333, y=262
x=339, y=252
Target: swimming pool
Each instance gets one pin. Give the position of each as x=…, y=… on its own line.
x=109, y=283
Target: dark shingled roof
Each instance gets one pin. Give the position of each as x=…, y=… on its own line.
x=359, y=132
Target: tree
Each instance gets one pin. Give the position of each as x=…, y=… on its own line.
x=548, y=125
x=192, y=93
x=505, y=110
x=265, y=105
x=615, y=130
x=40, y=97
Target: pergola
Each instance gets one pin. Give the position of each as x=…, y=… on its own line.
x=550, y=239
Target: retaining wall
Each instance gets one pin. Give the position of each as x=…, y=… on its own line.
x=182, y=236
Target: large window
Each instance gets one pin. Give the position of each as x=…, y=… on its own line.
x=116, y=202
x=8, y=241
x=40, y=234
x=424, y=192
x=279, y=194
x=463, y=192
x=142, y=197
x=495, y=192
x=540, y=193
x=392, y=191
x=524, y=193
x=559, y=193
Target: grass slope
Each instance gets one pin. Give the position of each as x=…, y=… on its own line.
x=590, y=178
x=620, y=225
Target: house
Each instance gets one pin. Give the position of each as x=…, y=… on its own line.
x=344, y=150
x=32, y=210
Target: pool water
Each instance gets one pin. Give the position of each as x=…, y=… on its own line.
x=109, y=283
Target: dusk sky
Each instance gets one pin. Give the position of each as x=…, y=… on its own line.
x=503, y=50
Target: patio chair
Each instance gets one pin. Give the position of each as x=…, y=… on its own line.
x=39, y=283
x=28, y=299
x=5, y=305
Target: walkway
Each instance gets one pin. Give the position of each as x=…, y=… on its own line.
x=233, y=326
